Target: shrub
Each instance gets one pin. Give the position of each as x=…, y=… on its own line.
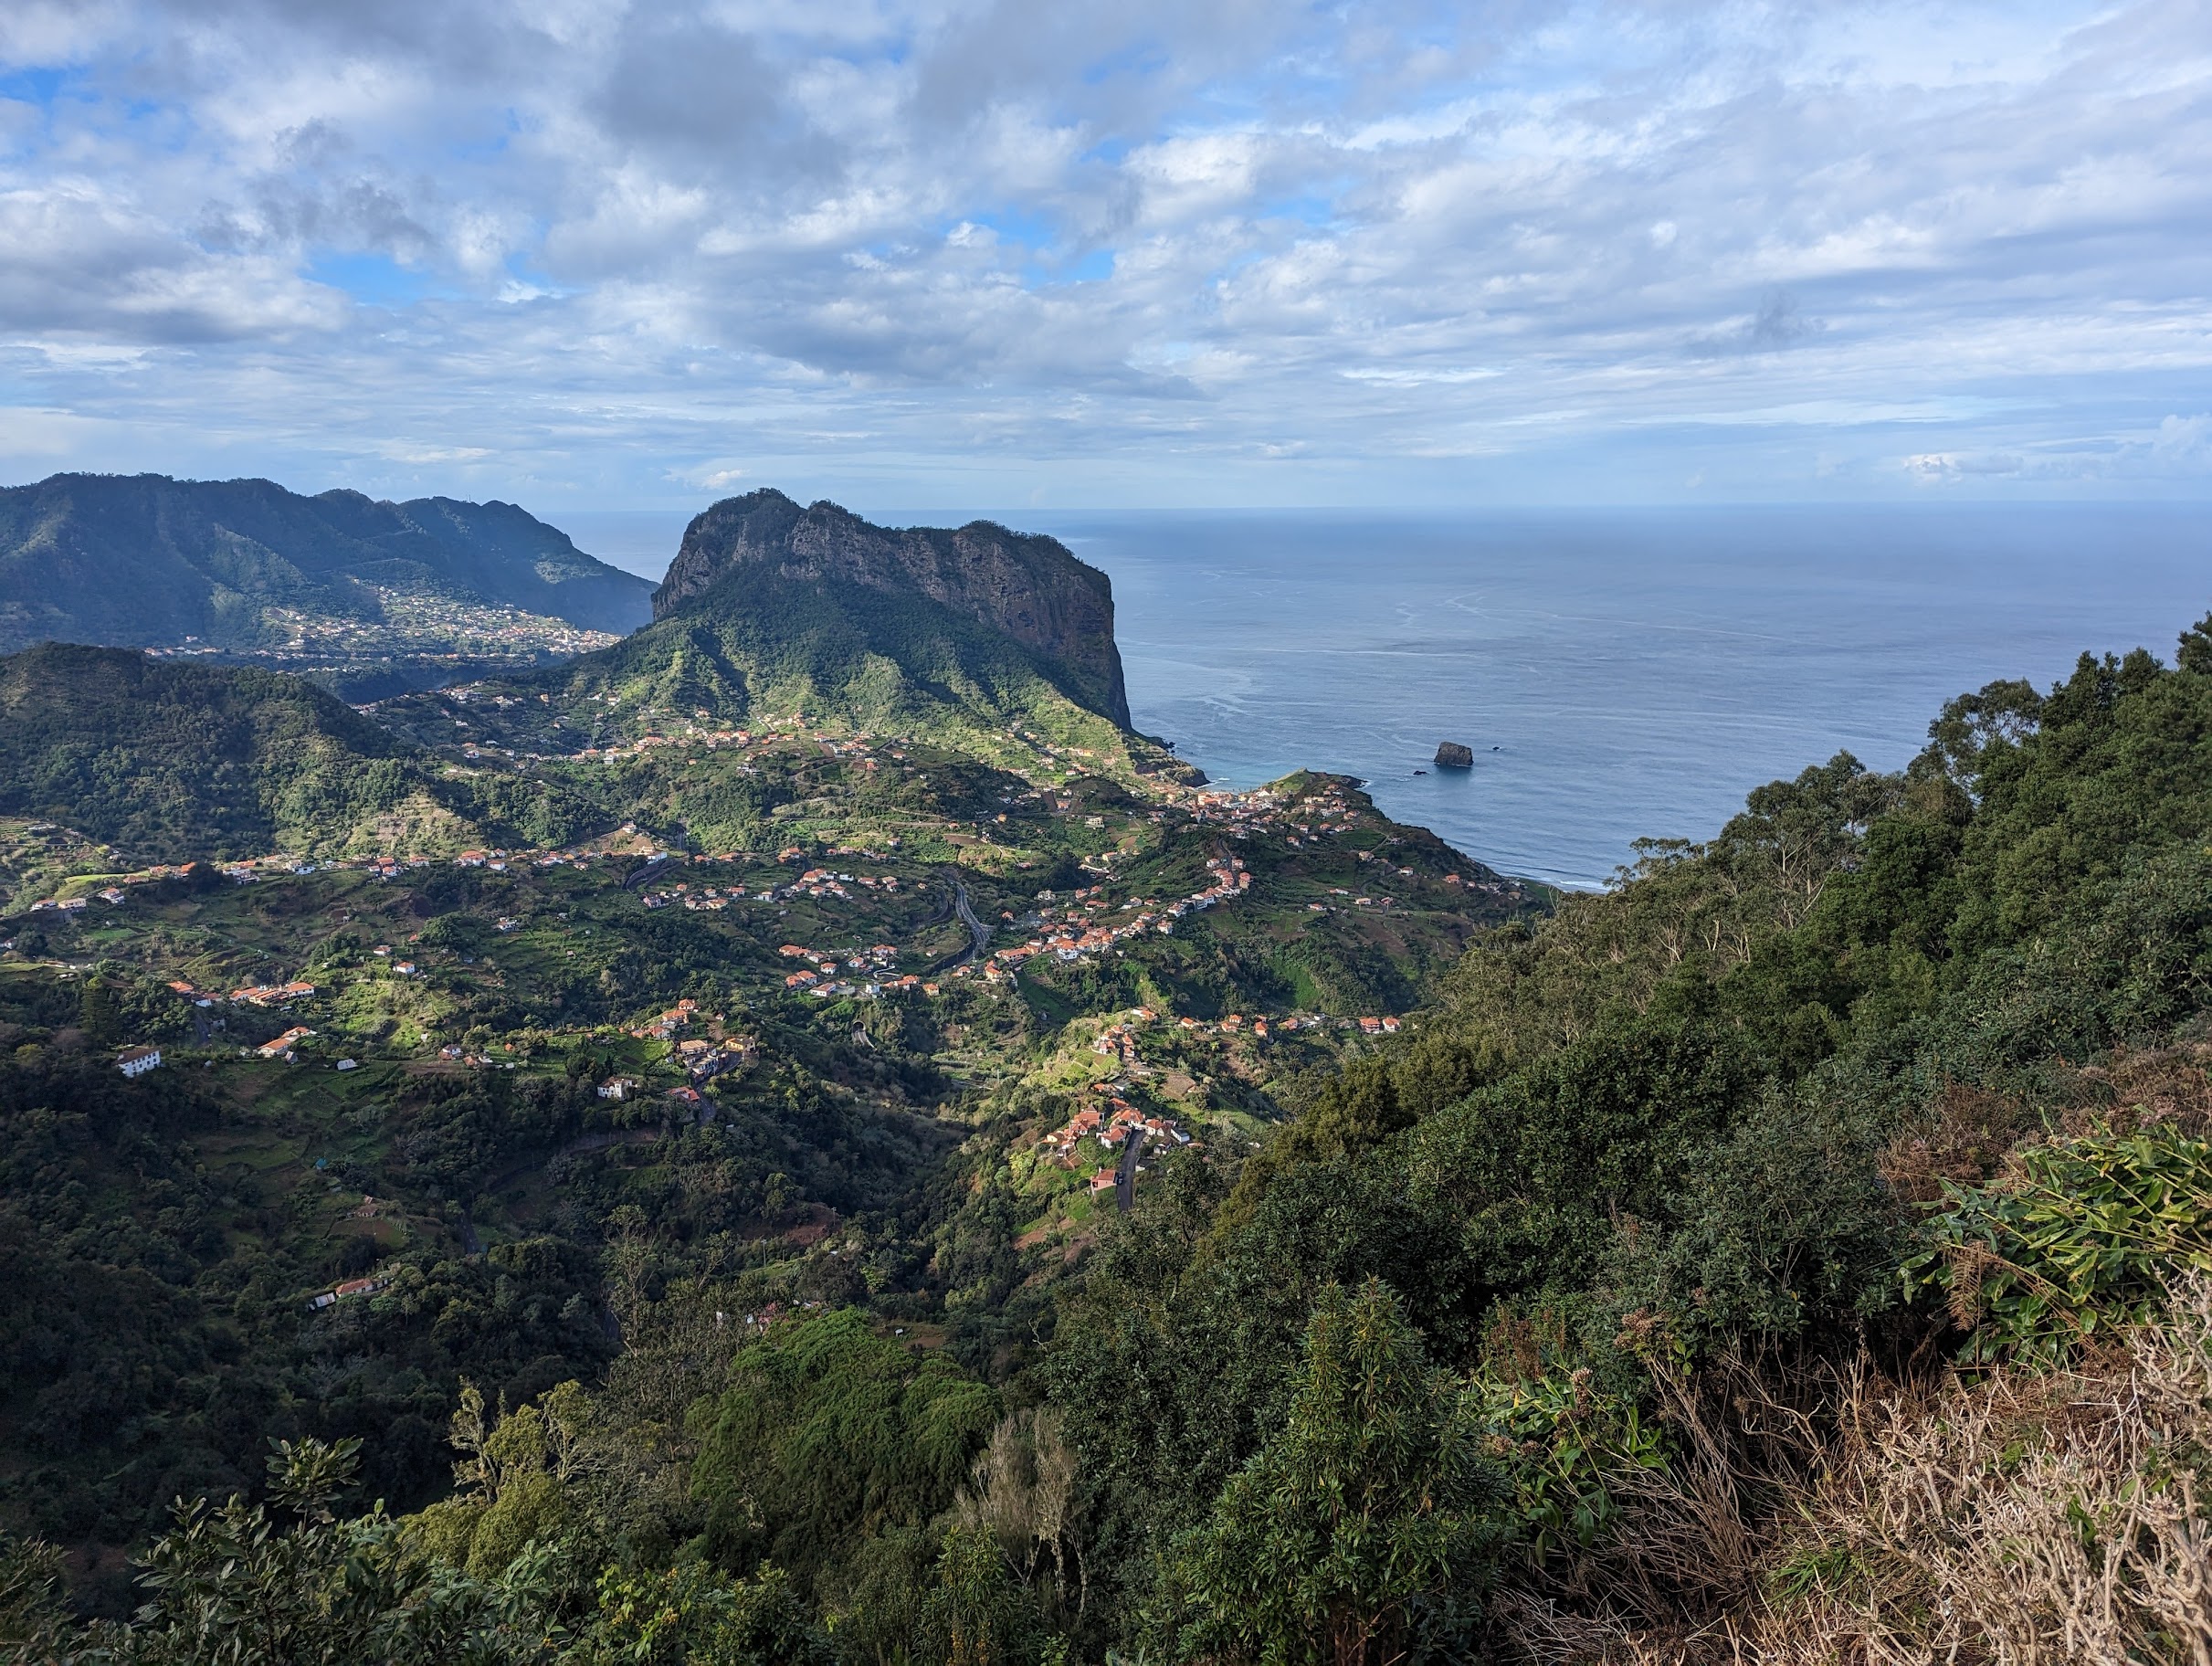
x=2079, y=1235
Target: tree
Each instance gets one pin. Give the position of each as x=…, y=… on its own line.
x=975, y=1614
x=827, y=1433
x=1364, y=1531
x=31, y=1605
x=511, y=1474
x=239, y=1584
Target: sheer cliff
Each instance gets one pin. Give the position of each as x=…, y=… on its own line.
x=1027, y=588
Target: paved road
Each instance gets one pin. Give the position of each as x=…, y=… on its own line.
x=977, y=930
x=649, y=872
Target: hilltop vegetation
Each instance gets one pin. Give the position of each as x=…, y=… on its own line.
x=1023, y=591
x=764, y=646
x=876, y=1138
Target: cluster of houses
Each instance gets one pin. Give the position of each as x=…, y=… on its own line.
x=1377, y=902
x=282, y=1046
x=712, y=740
x=1119, y=1040
x=456, y=1053
x=692, y=737
x=820, y=882
x=1109, y=1125
x=1075, y=938
x=1261, y=812
x=824, y=973
x=705, y=1059
x=266, y=995
x=664, y=1028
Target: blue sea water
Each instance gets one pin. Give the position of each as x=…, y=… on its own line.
x=1619, y=673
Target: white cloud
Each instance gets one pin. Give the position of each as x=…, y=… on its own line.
x=1411, y=375
x=2185, y=442
x=610, y=249
x=1955, y=465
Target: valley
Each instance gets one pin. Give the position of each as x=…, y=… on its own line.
x=812, y=1005
x=799, y=1136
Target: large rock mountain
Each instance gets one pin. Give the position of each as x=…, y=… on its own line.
x=1027, y=588
x=145, y=559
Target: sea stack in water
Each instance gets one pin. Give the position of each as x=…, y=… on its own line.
x=1450, y=754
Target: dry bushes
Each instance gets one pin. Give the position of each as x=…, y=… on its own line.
x=2132, y=1090
x=2018, y=1520
x=2028, y=1518
x=1960, y=1142
x=1968, y=1131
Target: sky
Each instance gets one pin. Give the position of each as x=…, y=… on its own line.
x=967, y=254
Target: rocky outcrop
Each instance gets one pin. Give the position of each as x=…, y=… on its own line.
x=1451, y=754
x=1029, y=588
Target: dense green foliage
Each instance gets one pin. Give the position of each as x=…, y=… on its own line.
x=827, y=1435
x=161, y=1336
x=176, y=763
x=1895, y=1070
x=1701, y=1113
x=2085, y=1233
x=1362, y=1530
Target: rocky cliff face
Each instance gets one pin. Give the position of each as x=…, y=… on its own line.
x=1029, y=588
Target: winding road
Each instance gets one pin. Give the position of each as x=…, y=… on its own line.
x=977, y=930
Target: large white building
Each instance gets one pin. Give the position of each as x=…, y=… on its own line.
x=138, y=1060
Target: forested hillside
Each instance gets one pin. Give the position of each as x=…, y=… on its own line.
x=179, y=762
x=1801, y=1251
x=140, y=560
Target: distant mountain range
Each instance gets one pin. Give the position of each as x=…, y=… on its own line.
x=144, y=560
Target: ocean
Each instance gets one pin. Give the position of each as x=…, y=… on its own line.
x=1617, y=673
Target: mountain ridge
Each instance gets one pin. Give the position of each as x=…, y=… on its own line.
x=144, y=560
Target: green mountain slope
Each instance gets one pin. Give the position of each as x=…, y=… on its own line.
x=1024, y=590
x=143, y=559
x=178, y=762
x=1802, y=1241
x=977, y=638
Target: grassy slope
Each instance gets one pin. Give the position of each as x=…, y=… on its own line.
x=764, y=646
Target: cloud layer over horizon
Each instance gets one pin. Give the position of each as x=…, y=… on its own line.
x=987, y=254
